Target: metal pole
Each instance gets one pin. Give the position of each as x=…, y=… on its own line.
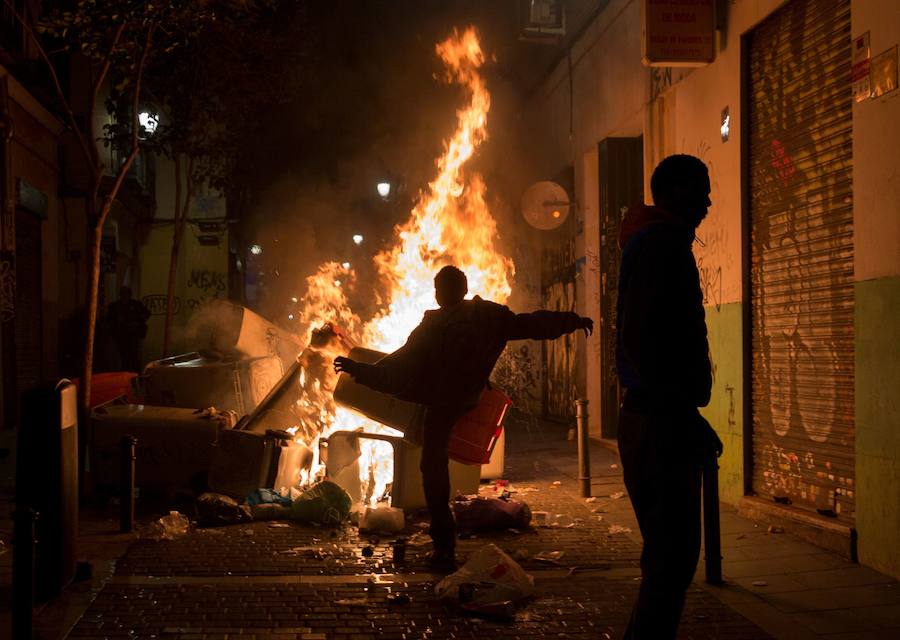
x=23, y=572
x=711, y=531
x=126, y=514
x=584, y=449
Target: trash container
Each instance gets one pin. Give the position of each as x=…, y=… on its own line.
x=47, y=481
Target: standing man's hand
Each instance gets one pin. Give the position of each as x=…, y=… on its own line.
x=345, y=365
x=587, y=325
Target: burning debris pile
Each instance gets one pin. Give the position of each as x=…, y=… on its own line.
x=449, y=224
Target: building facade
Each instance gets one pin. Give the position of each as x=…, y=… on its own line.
x=797, y=120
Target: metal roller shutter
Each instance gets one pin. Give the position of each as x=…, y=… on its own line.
x=801, y=276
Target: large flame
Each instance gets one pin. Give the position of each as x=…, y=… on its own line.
x=449, y=224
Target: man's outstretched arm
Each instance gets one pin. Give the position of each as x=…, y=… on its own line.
x=546, y=325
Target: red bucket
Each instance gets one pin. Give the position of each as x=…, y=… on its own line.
x=475, y=434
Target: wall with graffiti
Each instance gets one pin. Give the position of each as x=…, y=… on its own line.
x=202, y=277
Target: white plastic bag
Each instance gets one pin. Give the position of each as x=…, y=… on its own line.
x=495, y=576
x=168, y=527
x=382, y=518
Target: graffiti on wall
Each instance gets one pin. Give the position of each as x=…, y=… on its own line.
x=156, y=303
x=207, y=285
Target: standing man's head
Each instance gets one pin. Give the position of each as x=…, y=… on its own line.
x=450, y=286
x=680, y=185
x=124, y=293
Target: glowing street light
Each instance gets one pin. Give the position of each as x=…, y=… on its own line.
x=290, y=316
x=357, y=239
x=255, y=249
x=293, y=298
x=149, y=121
x=383, y=189
x=346, y=265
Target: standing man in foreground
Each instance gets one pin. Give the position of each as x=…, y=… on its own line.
x=445, y=364
x=662, y=356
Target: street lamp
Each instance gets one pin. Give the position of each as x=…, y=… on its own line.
x=346, y=265
x=357, y=239
x=383, y=189
x=255, y=249
x=149, y=121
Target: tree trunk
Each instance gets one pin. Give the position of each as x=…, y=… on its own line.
x=182, y=207
x=173, y=259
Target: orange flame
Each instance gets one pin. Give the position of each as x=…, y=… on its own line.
x=449, y=224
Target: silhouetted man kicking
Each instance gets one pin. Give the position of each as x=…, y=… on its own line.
x=663, y=364
x=445, y=365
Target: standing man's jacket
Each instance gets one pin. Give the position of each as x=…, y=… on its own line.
x=448, y=358
x=662, y=353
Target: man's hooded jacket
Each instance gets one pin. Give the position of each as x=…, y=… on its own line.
x=662, y=353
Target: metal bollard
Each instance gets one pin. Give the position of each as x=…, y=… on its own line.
x=126, y=505
x=711, y=531
x=23, y=572
x=584, y=448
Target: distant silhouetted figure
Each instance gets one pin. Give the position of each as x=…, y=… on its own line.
x=127, y=320
x=445, y=365
x=663, y=364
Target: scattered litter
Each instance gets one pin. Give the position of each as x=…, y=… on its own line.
x=563, y=520
x=523, y=489
x=773, y=529
x=322, y=503
x=760, y=583
x=267, y=496
x=398, y=598
x=549, y=556
x=592, y=499
x=168, y=527
x=490, y=514
x=215, y=510
x=492, y=578
x=228, y=418
x=615, y=528
x=352, y=602
x=521, y=555
x=616, y=495
x=382, y=518
x=418, y=540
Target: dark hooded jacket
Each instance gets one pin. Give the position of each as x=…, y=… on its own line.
x=448, y=358
x=662, y=353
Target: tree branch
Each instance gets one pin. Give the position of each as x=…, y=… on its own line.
x=98, y=84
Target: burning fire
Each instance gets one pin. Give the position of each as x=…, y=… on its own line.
x=449, y=224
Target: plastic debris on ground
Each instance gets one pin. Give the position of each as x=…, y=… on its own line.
x=549, y=556
x=547, y=519
x=216, y=510
x=488, y=577
x=616, y=495
x=382, y=518
x=168, y=527
x=615, y=528
x=592, y=499
x=322, y=503
x=268, y=496
x=490, y=514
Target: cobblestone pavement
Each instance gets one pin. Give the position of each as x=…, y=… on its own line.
x=285, y=580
